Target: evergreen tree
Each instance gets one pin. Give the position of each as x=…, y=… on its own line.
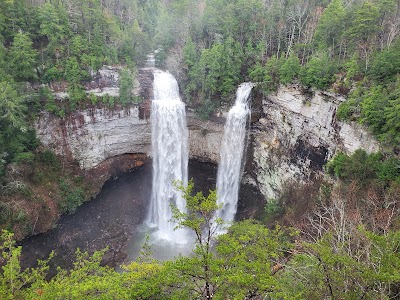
x=22, y=57
x=331, y=25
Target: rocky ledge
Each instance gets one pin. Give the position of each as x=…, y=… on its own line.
x=296, y=134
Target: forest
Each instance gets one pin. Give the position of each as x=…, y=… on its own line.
x=345, y=242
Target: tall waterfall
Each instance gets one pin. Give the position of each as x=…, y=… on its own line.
x=232, y=149
x=170, y=155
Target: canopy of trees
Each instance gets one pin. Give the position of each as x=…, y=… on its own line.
x=343, y=260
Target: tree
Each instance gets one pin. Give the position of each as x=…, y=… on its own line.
x=272, y=76
x=126, y=86
x=201, y=221
x=386, y=64
x=23, y=58
x=392, y=115
x=319, y=71
x=363, y=29
x=373, y=106
x=234, y=265
x=13, y=280
x=330, y=25
x=290, y=69
x=12, y=106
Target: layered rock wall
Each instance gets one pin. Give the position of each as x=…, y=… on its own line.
x=293, y=134
x=296, y=135
x=204, y=139
x=93, y=135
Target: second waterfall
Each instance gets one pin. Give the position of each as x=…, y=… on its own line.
x=232, y=150
x=170, y=155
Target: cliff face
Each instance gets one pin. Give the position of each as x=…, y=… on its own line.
x=204, y=139
x=296, y=135
x=91, y=136
x=293, y=134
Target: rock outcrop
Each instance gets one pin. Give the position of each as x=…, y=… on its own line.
x=204, y=138
x=93, y=135
x=296, y=135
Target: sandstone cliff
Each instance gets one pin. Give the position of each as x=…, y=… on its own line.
x=296, y=135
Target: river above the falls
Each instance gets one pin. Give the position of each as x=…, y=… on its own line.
x=114, y=219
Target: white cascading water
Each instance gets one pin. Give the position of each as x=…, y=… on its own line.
x=231, y=155
x=170, y=156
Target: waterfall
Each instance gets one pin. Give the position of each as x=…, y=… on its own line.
x=170, y=155
x=231, y=155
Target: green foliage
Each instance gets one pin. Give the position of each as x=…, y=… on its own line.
x=272, y=73
x=73, y=72
x=248, y=250
x=364, y=22
x=257, y=73
x=12, y=106
x=272, y=208
x=364, y=168
x=331, y=25
x=205, y=109
x=367, y=267
x=386, y=64
x=319, y=71
x=76, y=94
x=216, y=73
x=353, y=67
x=199, y=217
x=248, y=261
x=25, y=157
x=373, y=106
x=73, y=196
x=290, y=69
x=93, y=99
x=49, y=158
x=22, y=57
x=17, y=140
x=190, y=54
x=13, y=280
x=377, y=106
x=126, y=86
x=348, y=110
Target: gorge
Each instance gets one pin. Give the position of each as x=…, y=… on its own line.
x=292, y=134
x=293, y=182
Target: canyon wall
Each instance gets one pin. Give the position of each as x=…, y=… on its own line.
x=293, y=133
x=296, y=134
x=93, y=135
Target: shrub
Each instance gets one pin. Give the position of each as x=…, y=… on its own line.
x=126, y=86
x=364, y=167
x=319, y=72
x=24, y=157
x=290, y=69
x=49, y=158
x=72, y=196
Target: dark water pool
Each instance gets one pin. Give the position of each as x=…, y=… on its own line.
x=113, y=219
x=110, y=220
